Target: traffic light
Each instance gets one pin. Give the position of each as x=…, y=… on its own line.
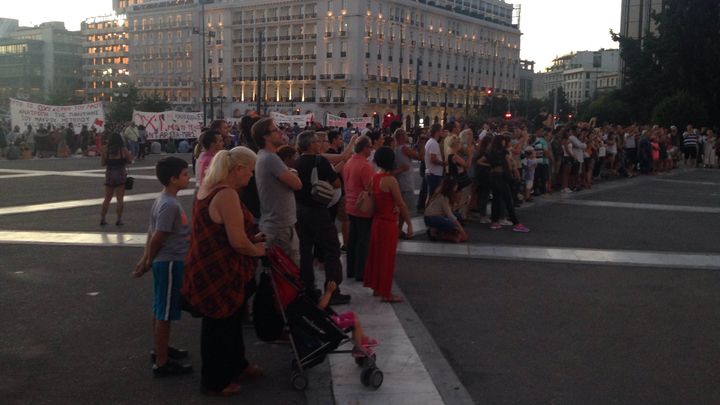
x=570, y=116
x=489, y=92
x=508, y=115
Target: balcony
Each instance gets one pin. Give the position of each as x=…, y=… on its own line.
x=383, y=101
x=393, y=80
x=383, y=78
x=372, y=100
x=338, y=99
x=424, y=82
x=309, y=99
x=324, y=99
x=372, y=77
x=325, y=77
x=327, y=35
x=343, y=33
x=433, y=104
x=339, y=76
x=434, y=84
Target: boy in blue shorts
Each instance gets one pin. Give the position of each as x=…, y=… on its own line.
x=167, y=244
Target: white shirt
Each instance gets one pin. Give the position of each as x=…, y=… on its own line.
x=432, y=147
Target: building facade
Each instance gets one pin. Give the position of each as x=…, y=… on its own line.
x=636, y=17
x=106, y=68
x=577, y=73
x=338, y=56
x=35, y=61
x=636, y=22
x=526, y=79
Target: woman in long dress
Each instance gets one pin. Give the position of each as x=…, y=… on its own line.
x=710, y=159
x=380, y=263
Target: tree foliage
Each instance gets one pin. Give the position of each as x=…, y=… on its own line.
x=678, y=62
x=680, y=109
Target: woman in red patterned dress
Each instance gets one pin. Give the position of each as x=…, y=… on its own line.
x=219, y=265
x=380, y=264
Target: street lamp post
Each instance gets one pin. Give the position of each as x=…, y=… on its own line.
x=400, y=79
x=259, y=73
x=417, y=92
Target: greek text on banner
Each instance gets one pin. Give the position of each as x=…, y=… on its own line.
x=24, y=113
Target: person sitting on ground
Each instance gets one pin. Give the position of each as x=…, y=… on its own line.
x=441, y=221
x=165, y=249
x=347, y=320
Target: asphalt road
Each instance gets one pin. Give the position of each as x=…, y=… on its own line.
x=553, y=333
x=75, y=328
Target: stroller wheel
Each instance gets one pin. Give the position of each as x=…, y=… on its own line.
x=376, y=378
x=299, y=381
x=372, y=377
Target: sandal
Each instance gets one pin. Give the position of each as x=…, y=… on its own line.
x=392, y=299
x=232, y=389
x=252, y=372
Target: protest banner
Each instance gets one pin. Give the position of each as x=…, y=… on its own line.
x=301, y=120
x=24, y=113
x=337, y=121
x=169, y=124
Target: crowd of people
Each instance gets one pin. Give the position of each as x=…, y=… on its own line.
x=261, y=185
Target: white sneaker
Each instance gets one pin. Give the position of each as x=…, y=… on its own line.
x=504, y=222
x=566, y=190
x=485, y=220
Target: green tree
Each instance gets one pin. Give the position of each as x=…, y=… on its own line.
x=122, y=106
x=153, y=103
x=680, y=109
x=681, y=57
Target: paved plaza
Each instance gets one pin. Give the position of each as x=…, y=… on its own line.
x=611, y=298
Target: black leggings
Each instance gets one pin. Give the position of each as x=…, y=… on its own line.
x=222, y=350
x=502, y=197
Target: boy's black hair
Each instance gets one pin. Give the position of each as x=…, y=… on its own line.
x=169, y=167
x=333, y=135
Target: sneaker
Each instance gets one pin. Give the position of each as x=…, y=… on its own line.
x=171, y=368
x=343, y=248
x=485, y=220
x=566, y=190
x=495, y=226
x=173, y=353
x=504, y=222
x=339, y=299
x=520, y=228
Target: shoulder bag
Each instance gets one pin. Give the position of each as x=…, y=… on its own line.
x=321, y=192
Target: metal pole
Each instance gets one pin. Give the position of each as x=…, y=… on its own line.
x=467, y=88
x=417, y=93
x=399, y=92
x=259, y=78
x=212, y=98
x=204, y=61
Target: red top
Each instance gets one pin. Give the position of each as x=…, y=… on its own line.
x=215, y=274
x=356, y=177
x=384, y=202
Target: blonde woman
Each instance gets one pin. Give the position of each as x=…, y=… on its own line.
x=220, y=264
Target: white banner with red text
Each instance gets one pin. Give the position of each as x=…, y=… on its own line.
x=169, y=124
x=24, y=113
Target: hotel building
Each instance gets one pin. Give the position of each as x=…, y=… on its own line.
x=338, y=56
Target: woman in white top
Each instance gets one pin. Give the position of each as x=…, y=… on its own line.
x=710, y=158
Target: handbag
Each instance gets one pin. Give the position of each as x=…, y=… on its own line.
x=365, y=202
x=321, y=192
x=129, y=182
